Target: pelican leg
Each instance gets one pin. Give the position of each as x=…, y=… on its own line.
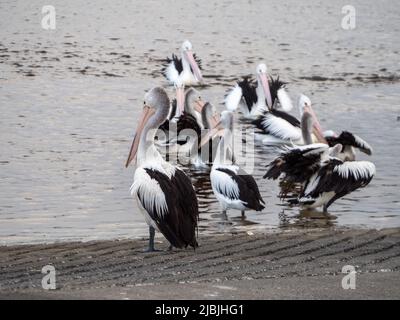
x=325, y=209
x=152, y=232
x=224, y=214
x=243, y=214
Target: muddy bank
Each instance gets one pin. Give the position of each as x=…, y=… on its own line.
x=283, y=265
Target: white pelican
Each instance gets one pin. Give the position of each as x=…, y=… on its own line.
x=282, y=128
x=349, y=142
x=252, y=97
x=232, y=186
x=324, y=177
x=164, y=193
x=186, y=68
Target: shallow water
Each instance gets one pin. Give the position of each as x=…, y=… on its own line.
x=70, y=98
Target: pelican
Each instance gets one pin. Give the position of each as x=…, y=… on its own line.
x=282, y=128
x=185, y=113
x=324, y=177
x=349, y=142
x=187, y=68
x=251, y=96
x=232, y=186
x=164, y=193
x=210, y=118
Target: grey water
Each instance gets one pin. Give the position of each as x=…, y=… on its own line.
x=70, y=99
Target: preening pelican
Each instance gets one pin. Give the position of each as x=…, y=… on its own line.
x=233, y=187
x=187, y=68
x=164, y=193
x=324, y=177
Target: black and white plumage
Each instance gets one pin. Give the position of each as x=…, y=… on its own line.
x=188, y=115
x=232, y=186
x=324, y=177
x=187, y=68
x=164, y=193
x=252, y=96
x=349, y=142
x=280, y=127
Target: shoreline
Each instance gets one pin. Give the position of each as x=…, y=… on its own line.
x=301, y=264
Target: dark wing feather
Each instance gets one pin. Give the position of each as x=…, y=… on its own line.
x=187, y=121
x=198, y=61
x=176, y=224
x=177, y=63
x=274, y=86
x=296, y=164
x=187, y=200
x=286, y=116
x=248, y=189
x=331, y=179
x=347, y=138
x=259, y=121
x=249, y=93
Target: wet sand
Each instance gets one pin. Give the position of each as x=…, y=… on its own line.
x=284, y=265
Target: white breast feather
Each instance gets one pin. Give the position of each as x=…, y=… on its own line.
x=222, y=181
x=150, y=192
x=233, y=98
x=358, y=169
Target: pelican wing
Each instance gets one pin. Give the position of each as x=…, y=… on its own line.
x=275, y=85
x=298, y=164
x=172, y=68
x=233, y=98
x=235, y=184
x=275, y=124
x=284, y=100
x=339, y=177
x=166, y=205
x=348, y=138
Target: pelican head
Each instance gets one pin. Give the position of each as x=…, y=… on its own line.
x=156, y=108
x=330, y=134
x=186, y=46
x=209, y=116
x=262, y=77
x=304, y=105
x=225, y=123
x=193, y=99
x=187, y=55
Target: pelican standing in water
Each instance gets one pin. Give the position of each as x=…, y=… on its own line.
x=323, y=176
x=187, y=68
x=164, y=193
x=233, y=187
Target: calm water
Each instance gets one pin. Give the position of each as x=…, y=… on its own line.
x=70, y=98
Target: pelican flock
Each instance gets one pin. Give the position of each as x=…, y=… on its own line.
x=317, y=167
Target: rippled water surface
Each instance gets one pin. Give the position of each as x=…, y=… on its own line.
x=70, y=98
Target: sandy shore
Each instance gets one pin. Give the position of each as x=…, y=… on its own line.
x=292, y=264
